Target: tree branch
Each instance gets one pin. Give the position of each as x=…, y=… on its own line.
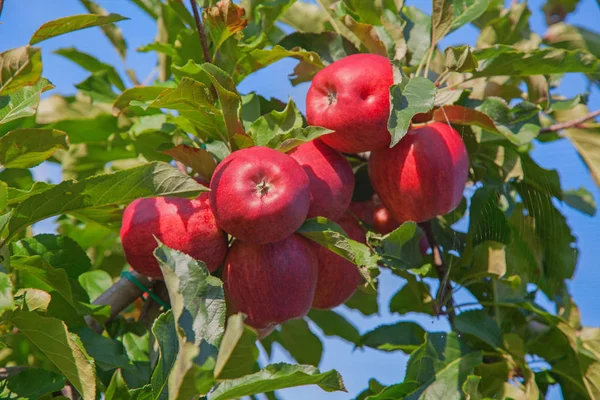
x=118, y=297
x=569, y=124
x=444, y=294
x=1, y=6
x=201, y=31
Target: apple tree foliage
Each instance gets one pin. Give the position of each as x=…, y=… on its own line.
x=118, y=137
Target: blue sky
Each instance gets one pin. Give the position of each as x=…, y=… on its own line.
x=22, y=17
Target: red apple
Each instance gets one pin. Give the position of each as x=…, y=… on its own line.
x=424, y=175
x=259, y=195
x=364, y=211
x=338, y=277
x=330, y=179
x=182, y=224
x=271, y=283
x=351, y=97
x=383, y=222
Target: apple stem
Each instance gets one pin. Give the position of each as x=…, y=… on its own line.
x=201, y=31
x=444, y=294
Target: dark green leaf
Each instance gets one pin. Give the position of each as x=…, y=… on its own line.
x=415, y=296
x=460, y=59
x=58, y=251
x=580, y=199
x=71, y=24
x=165, y=332
x=95, y=282
x=18, y=68
x=238, y=352
x=24, y=102
x=407, y=99
x=108, y=353
x=398, y=391
x=366, y=303
x=304, y=346
x=573, y=38
x=333, y=324
x=117, y=388
x=198, y=159
x=122, y=187
x=45, y=382
x=479, y=324
x=330, y=46
x=63, y=349
x=275, y=377
x=404, y=336
x=417, y=32
x=441, y=365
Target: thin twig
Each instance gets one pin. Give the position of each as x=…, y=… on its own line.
x=444, y=294
x=570, y=124
x=1, y=6
x=201, y=31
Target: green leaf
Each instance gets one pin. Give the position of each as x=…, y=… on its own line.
x=329, y=234
x=330, y=46
x=460, y=59
x=135, y=96
x=63, y=349
x=466, y=11
x=198, y=159
x=479, y=324
x=417, y=32
x=198, y=305
x=71, y=24
x=238, y=352
x=441, y=19
x=6, y=296
x=303, y=345
x=470, y=388
x=367, y=34
x=415, y=296
x=573, y=38
x=581, y=199
x=58, y=251
x=98, y=87
x=24, y=102
x=19, y=67
x=26, y=148
x=122, y=187
x=333, y=324
x=275, y=377
x=92, y=64
x=55, y=279
x=506, y=61
x=399, y=246
x=108, y=353
x=407, y=99
x=95, y=282
x=366, y=303
x=114, y=34
x=441, y=365
x=305, y=17
x=165, y=332
x=117, y=388
x=403, y=336
x=489, y=258
x=46, y=382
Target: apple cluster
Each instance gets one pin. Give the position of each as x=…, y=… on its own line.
x=260, y=197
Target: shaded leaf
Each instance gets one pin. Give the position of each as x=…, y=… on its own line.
x=238, y=352
x=364, y=302
x=479, y=324
x=95, y=283
x=303, y=345
x=108, y=353
x=63, y=349
x=45, y=382
x=407, y=99
x=460, y=59
x=580, y=199
x=441, y=19
x=6, y=296
x=164, y=330
x=404, y=336
x=117, y=388
x=222, y=21
x=415, y=296
x=92, y=64
x=198, y=159
x=334, y=324
x=466, y=11
x=275, y=377
x=58, y=251
x=112, y=32
x=367, y=34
